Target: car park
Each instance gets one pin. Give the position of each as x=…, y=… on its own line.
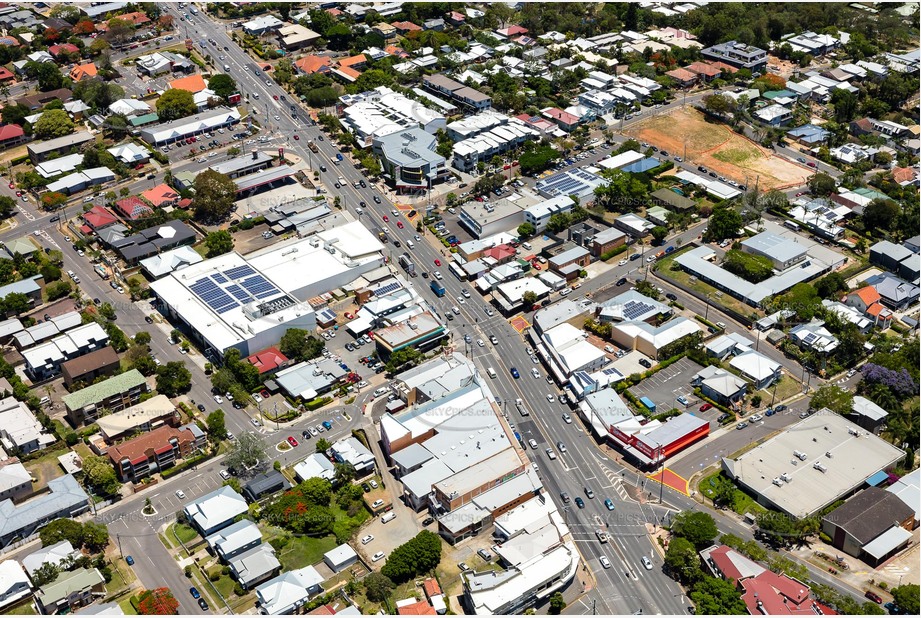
x=463, y=566
x=292, y=441
x=722, y=417
x=780, y=408
x=428, y=521
x=770, y=412
x=684, y=401
x=485, y=555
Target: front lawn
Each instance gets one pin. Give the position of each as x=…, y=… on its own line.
x=717, y=298
x=742, y=503
x=185, y=533
x=301, y=551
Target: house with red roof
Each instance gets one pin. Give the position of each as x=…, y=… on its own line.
x=704, y=70
x=905, y=176
x=512, y=31
x=399, y=52
x=161, y=195
x=500, y=253
x=151, y=452
x=11, y=135
x=99, y=217
x=405, y=27
x=133, y=208
x=269, y=359
x=308, y=65
x=63, y=48
x=6, y=74
x=83, y=71
x=867, y=300
x=763, y=591
x=419, y=608
x=456, y=19
x=349, y=68
x=683, y=77
x=192, y=83
x=137, y=18
x=563, y=119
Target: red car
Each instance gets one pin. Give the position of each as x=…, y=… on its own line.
x=400, y=224
x=437, y=262
x=349, y=316
x=296, y=137
x=811, y=164
x=386, y=219
x=873, y=596
x=275, y=96
x=535, y=265
x=12, y=186
x=292, y=441
x=706, y=407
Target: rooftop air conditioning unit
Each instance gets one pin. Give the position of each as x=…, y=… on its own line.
x=786, y=477
x=800, y=455
x=818, y=466
x=777, y=482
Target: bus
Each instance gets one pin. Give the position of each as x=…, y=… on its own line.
x=646, y=401
x=437, y=288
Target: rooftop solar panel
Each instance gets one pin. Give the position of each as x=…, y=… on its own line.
x=219, y=278
x=390, y=287
x=239, y=272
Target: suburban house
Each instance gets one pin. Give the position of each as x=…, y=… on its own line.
x=215, y=510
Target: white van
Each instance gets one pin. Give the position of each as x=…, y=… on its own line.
x=44, y=401
x=491, y=372
x=410, y=244
x=526, y=245
x=226, y=68
x=388, y=517
x=255, y=95
x=381, y=391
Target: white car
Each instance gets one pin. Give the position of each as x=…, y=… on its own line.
x=567, y=419
x=465, y=293
x=623, y=262
x=480, y=343
x=257, y=397
x=378, y=556
x=377, y=504
x=218, y=399
x=551, y=454
x=647, y=563
x=605, y=562
x=550, y=397
x=367, y=539
x=651, y=258
x=180, y=494
x=225, y=474
x=756, y=418
x=362, y=384
x=373, y=484
x=535, y=373
x=461, y=300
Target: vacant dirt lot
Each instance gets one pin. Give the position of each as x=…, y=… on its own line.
x=719, y=149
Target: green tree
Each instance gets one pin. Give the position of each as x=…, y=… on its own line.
x=557, y=222
x=406, y=357
x=45, y=574
x=58, y=289
x=218, y=243
x=724, y=223
x=53, y=123
x=7, y=206
x=245, y=451
x=215, y=194
x=682, y=560
x=536, y=159
x=831, y=285
x=647, y=289
x=715, y=597
x=845, y=104
x=802, y=299
x=47, y=74
x=345, y=473
x=62, y=530
x=880, y=214
x=323, y=445
x=174, y=104
x=298, y=344
x=107, y=311
x=697, y=527
x=173, y=379
x=529, y=298
x=100, y=475
x=717, y=104
x=95, y=536
x=752, y=268
x=15, y=114
x=377, y=587
x=526, y=230
x=316, y=490
x=223, y=85
x=834, y=398
x=622, y=193
x=724, y=492
x=906, y=597
x=821, y=184
x=557, y=603
x=217, y=429
x=659, y=233
x=417, y=556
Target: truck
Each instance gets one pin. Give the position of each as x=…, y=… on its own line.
x=382, y=235
x=407, y=263
x=312, y=146
x=521, y=409
x=437, y=288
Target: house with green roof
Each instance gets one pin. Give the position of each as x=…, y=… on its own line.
x=71, y=590
x=116, y=393
x=144, y=120
x=24, y=246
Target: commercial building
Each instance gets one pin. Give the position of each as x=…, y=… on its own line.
x=350, y=450
x=249, y=302
x=422, y=332
x=64, y=498
x=247, y=163
x=409, y=160
x=153, y=241
x=114, y=394
x=539, y=559
x=721, y=386
x=79, y=181
x=382, y=111
x=834, y=457
x=151, y=452
x=897, y=259
x=88, y=367
x=215, y=510
x=309, y=379
x=566, y=350
x=783, y=252
x=484, y=219
x=178, y=130
x=509, y=295
x=571, y=182
x=142, y=417
x=894, y=293
x=162, y=264
x=20, y=431
x=539, y=214
x=462, y=95
x=872, y=525
x=649, y=339
x=296, y=36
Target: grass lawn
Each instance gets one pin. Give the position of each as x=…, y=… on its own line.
x=787, y=387
x=742, y=503
x=46, y=467
x=185, y=533
x=127, y=607
x=718, y=298
x=225, y=586
x=23, y=609
x=122, y=577
x=303, y=551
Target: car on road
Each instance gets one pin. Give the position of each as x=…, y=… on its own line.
x=147, y=319
x=437, y=262
x=706, y=407
x=129, y=560
x=480, y=343
x=203, y=604
x=201, y=407
x=535, y=373
x=742, y=425
x=770, y=412
x=756, y=418
x=180, y=494
x=400, y=225
x=609, y=504
x=589, y=493
x=621, y=281
x=550, y=398
x=194, y=592
x=671, y=296
x=255, y=422
x=550, y=453
x=873, y=596
x=605, y=563
x=386, y=219
x=567, y=419
x=623, y=262
x=296, y=138
x=893, y=609
x=292, y=441
x=851, y=373
x=514, y=373
x=580, y=503
x=465, y=293
x=494, y=340
x=647, y=563
x=367, y=539
x=218, y=399
x=561, y=446
x=780, y=408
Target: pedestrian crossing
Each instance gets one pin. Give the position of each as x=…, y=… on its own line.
x=617, y=483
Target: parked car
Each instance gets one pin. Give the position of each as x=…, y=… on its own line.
x=645, y=363
x=706, y=407
x=742, y=425
x=194, y=592
x=367, y=539
x=873, y=596
x=129, y=560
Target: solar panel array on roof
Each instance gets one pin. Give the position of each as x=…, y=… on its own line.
x=609, y=371
x=258, y=286
x=240, y=271
x=221, y=297
x=213, y=296
x=219, y=278
x=387, y=289
x=634, y=309
x=808, y=339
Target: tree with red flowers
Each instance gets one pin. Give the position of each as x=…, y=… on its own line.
x=84, y=26
x=158, y=602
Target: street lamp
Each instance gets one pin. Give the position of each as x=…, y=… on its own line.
x=707, y=312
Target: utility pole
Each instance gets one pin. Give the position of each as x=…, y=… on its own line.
x=118, y=538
